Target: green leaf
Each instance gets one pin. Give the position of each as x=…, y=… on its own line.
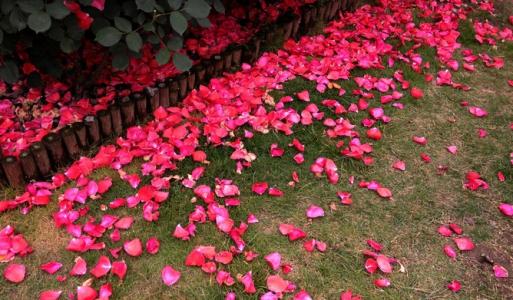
x=178, y=22
x=123, y=24
x=175, y=43
x=108, y=36
x=153, y=39
x=145, y=5
x=175, y=4
x=31, y=6
x=57, y=10
x=204, y=22
x=182, y=62
x=149, y=27
x=120, y=60
x=134, y=41
x=1, y=36
x=197, y=8
x=163, y=56
x=39, y=21
x=219, y=7
x=56, y=33
x=17, y=19
x=67, y=45
x=9, y=72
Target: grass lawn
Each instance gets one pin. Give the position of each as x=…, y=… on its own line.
x=425, y=196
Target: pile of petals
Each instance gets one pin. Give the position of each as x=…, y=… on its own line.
x=12, y=245
x=375, y=260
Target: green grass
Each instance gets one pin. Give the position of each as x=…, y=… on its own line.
x=405, y=225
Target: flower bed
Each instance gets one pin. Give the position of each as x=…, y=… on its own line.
x=111, y=105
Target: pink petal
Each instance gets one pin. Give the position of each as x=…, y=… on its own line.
x=420, y=140
x=102, y=267
x=500, y=271
x=14, y=273
x=444, y=231
x=51, y=267
x=277, y=284
x=133, y=247
x=170, y=276
x=247, y=281
x=506, y=209
x=384, y=264
x=399, y=165
x=452, y=149
x=314, y=211
x=304, y=96
x=86, y=293
x=384, y=192
x=273, y=260
x=50, y=295
x=456, y=228
x=152, y=245
x=80, y=267
x=449, y=251
x=464, y=243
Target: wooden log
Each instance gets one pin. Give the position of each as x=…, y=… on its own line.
x=154, y=100
x=127, y=112
x=182, y=83
x=209, y=68
x=228, y=57
x=191, y=80
x=81, y=133
x=201, y=72
x=42, y=159
x=28, y=165
x=218, y=65
x=70, y=142
x=237, y=56
x=296, y=27
x=174, y=92
x=117, y=122
x=141, y=106
x=13, y=172
x=105, y=123
x=55, y=149
x=93, y=130
x=164, y=94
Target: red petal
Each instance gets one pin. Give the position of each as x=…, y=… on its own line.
x=454, y=286
x=375, y=245
x=456, y=228
x=195, y=258
x=382, y=282
x=371, y=265
x=259, y=188
x=152, y=245
x=445, y=231
x=399, y=165
x=119, y=269
x=80, y=267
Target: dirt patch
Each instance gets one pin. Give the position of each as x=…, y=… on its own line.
x=482, y=258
